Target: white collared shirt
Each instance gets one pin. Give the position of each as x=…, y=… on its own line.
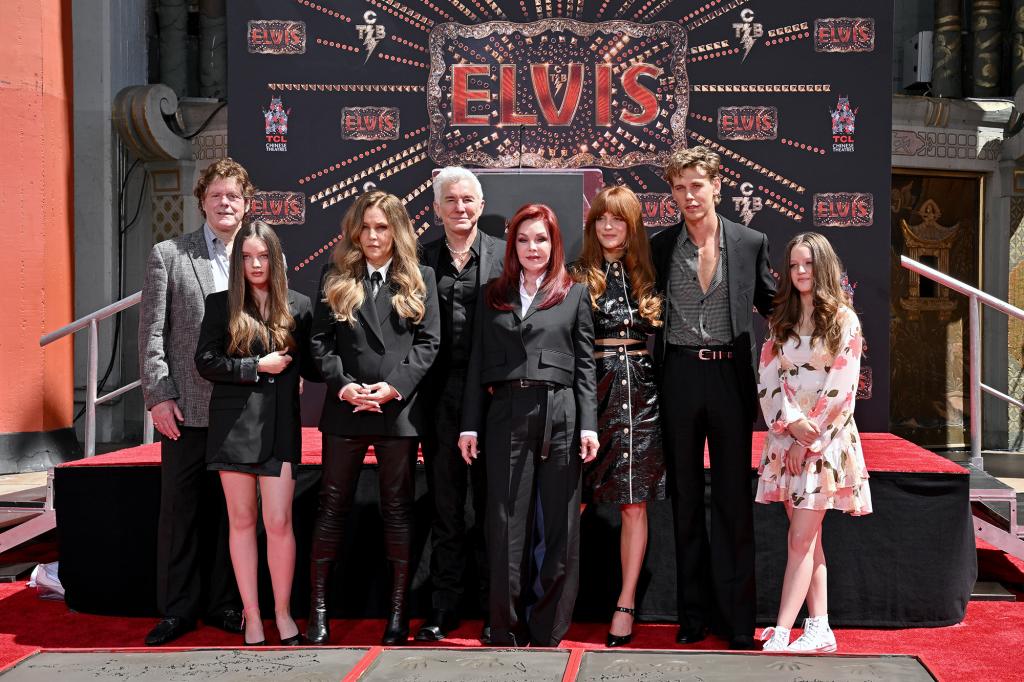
x=383, y=270
x=525, y=298
x=218, y=258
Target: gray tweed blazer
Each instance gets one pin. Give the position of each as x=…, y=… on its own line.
x=179, y=276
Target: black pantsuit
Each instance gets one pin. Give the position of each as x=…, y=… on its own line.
x=192, y=532
x=539, y=371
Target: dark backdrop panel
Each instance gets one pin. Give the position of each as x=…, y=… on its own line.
x=910, y=564
x=382, y=69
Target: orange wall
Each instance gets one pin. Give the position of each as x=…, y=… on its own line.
x=36, y=239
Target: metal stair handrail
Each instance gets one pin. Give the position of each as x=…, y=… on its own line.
x=977, y=297
x=91, y=321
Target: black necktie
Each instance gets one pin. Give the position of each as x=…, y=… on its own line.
x=375, y=282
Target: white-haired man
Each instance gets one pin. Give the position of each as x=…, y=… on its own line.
x=463, y=259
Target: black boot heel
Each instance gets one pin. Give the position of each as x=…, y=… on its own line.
x=621, y=640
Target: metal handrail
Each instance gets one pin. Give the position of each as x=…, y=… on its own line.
x=976, y=296
x=91, y=399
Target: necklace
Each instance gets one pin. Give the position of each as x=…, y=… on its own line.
x=454, y=252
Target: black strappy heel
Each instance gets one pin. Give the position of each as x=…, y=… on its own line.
x=621, y=640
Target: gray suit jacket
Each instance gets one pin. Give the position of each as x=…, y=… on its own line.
x=179, y=276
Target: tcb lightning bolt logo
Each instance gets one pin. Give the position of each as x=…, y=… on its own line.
x=747, y=31
x=371, y=33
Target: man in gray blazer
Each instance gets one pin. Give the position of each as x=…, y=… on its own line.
x=179, y=274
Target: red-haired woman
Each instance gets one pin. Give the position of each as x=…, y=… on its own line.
x=615, y=265
x=533, y=353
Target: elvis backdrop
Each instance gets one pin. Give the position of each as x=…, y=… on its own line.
x=331, y=98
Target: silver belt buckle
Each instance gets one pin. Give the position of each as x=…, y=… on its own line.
x=705, y=354
x=524, y=383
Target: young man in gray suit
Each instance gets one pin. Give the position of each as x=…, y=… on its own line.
x=180, y=273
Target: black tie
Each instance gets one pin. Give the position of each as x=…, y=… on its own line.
x=375, y=282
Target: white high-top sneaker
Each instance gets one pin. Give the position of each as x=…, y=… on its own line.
x=817, y=637
x=775, y=639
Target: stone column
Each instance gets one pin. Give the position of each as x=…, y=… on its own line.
x=947, y=50
x=1017, y=45
x=988, y=47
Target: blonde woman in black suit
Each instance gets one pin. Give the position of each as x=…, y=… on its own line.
x=253, y=345
x=376, y=331
x=533, y=352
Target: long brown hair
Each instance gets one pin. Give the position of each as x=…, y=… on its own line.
x=828, y=296
x=343, y=287
x=622, y=203
x=246, y=323
x=556, y=282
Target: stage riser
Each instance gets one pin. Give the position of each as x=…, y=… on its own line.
x=911, y=563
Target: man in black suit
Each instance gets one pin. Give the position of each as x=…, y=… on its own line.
x=712, y=273
x=463, y=260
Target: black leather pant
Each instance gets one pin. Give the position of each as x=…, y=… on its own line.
x=342, y=464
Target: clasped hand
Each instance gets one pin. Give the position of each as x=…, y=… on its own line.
x=367, y=397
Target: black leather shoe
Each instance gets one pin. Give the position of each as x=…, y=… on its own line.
x=741, y=643
x=688, y=636
x=397, y=631
x=318, y=630
x=621, y=640
x=440, y=623
x=228, y=620
x=294, y=640
x=168, y=630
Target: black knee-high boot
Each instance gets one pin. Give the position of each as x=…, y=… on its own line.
x=397, y=630
x=318, y=630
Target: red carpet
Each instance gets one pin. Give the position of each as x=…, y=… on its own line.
x=989, y=645
x=882, y=452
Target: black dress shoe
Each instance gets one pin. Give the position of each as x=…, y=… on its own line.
x=741, y=643
x=438, y=626
x=621, y=640
x=691, y=636
x=228, y=620
x=168, y=630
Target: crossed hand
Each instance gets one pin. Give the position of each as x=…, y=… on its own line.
x=367, y=397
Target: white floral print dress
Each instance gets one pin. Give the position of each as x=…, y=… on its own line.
x=805, y=382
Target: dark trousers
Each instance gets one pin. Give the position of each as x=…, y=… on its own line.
x=704, y=400
x=450, y=481
x=193, y=565
x=342, y=464
x=533, y=515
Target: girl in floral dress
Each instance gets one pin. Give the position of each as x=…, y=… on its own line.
x=812, y=460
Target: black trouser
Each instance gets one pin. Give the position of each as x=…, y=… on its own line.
x=533, y=515
x=704, y=400
x=193, y=565
x=450, y=481
x=342, y=464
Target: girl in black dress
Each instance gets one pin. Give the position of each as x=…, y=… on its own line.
x=252, y=346
x=630, y=468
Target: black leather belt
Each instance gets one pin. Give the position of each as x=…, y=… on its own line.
x=706, y=353
x=550, y=386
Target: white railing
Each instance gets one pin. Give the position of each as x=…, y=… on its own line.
x=91, y=399
x=977, y=297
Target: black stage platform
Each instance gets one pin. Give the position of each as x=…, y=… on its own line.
x=911, y=563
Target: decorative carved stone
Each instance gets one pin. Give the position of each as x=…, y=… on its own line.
x=140, y=114
x=988, y=46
